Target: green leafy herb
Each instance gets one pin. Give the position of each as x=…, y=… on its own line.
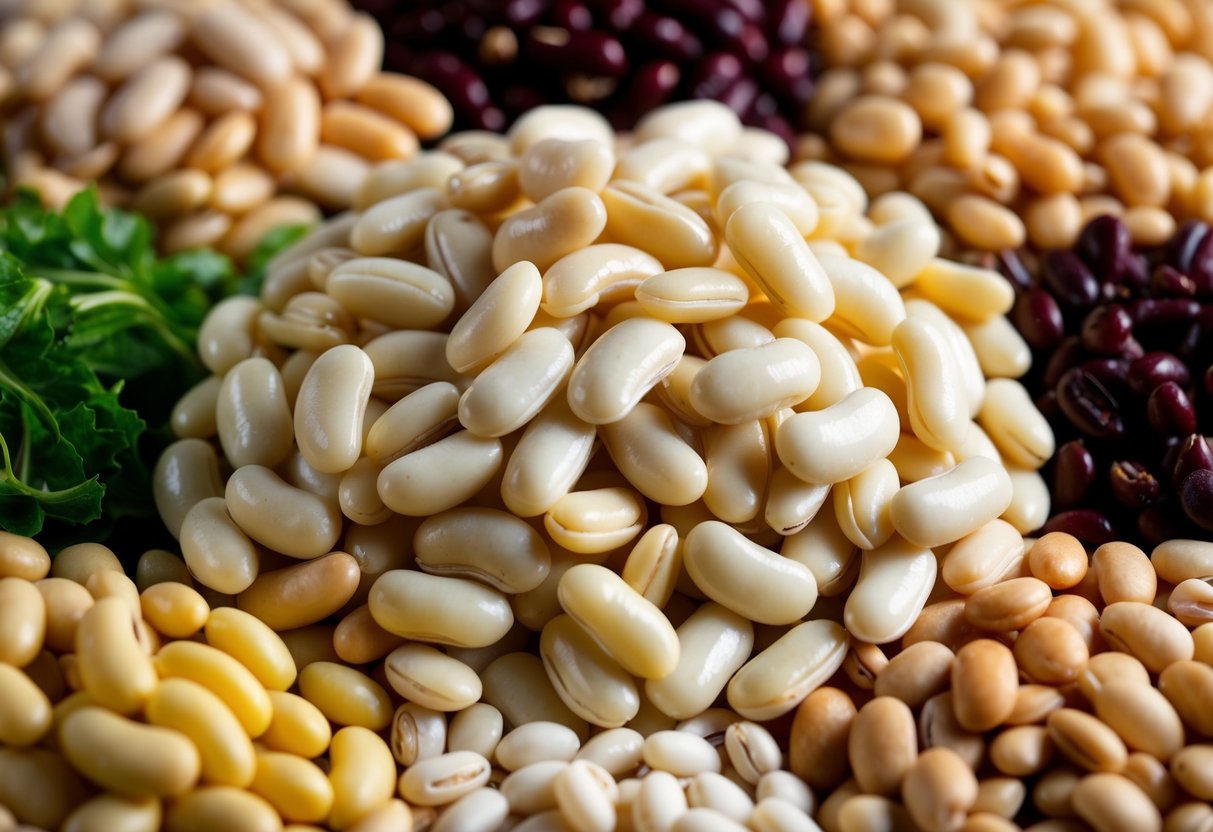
x=97, y=341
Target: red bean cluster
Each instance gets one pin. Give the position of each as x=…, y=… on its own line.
x=496, y=59
x=1123, y=368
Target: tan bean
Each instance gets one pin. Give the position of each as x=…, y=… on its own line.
x=1190, y=768
x=236, y=39
x=876, y=129
x=1109, y=802
x=1147, y=633
x=1050, y=651
x=939, y=789
x=1059, y=560
x=1188, y=686
x=882, y=745
x=411, y=101
x=1124, y=573
x=1010, y=605
x=295, y=596
x=366, y=132
x=984, y=682
x=1086, y=741
x=1142, y=716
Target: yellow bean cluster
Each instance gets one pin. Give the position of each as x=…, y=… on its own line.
x=1020, y=122
x=203, y=116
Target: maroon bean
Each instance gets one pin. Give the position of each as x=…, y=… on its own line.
x=1091, y=527
x=1067, y=354
x=620, y=15
x=715, y=74
x=587, y=53
x=1105, y=245
x=1038, y=318
x=1201, y=267
x=520, y=13
x=1194, y=454
x=1154, y=311
x=786, y=73
x=1113, y=373
x=1108, y=330
x=1196, y=498
x=1153, y=368
x=1207, y=381
x=753, y=10
x=1089, y=405
x=789, y=21
x=1014, y=270
x=1181, y=248
x=653, y=85
x=1171, y=282
x=751, y=44
x=460, y=83
x=572, y=14
x=716, y=18
x=1070, y=279
x=1073, y=473
x=740, y=95
x=1132, y=485
x=666, y=37
x=1170, y=411
x=1161, y=521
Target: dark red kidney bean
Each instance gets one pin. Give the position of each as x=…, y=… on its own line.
x=1038, y=318
x=1073, y=473
x=1088, y=525
x=740, y=95
x=1207, y=381
x=1196, y=498
x=1201, y=267
x=1067, y=354
x=751, y=44
x=587, y=53
x=1194, y=454
x=519, y=98
x=1105, y=245
x=715, y=18
x=652, y=85
x=1089, y=405
x=1181, y=248
x=1113, y=373
x=1154, y=368
x=619, y=14
x=461, y=85
x=1108, y=330
x=1168, y=281
x=786, y=73
x=1012, y=267
x=715, y=74
x=1135, y=277
x=1154, y=311
x=520, y=13
x=573, y=14
x=1170, y=411
x=1132, y=485
x=665, y=37
x=1161, y=521
x=789, y=21
x=753, y=10
x=1070, y=279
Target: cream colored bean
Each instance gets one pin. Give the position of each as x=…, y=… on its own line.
x=480, y=811
x=396, y=224
x=781, y=676
x=363, y=775
x=743, y=385
x=532, y=789
x=400, y=294
x=659, y=802
x=536, y=742
x=894, y=582
x=237, y=40
x=826, y=551
x=439, y=476
x=108, y=811
x=518, y=384
x=794, y=201
x=606, y=271
x=673, y=233
x=23, y=557
x=628, y=627
x=861, y=504
x=738, y=463
x=330, y=407
x=1146, y=632
x=945, y=508
x=430, y=678
x=705, y=124
x=680, y=753
x=496, y=319
x=566, y=221
x=1026, y=440
x=406, y=360
x=548, y=460
x=817, y=448
x=867, y=305
x=65, y=604
x=692, y=295
x=489, y=545
x=649, y=452
x=736, y=573
x=665, y=165
x=225, y=337
x=558, y=122
x=964, y=291
x=752, y=750
x=23, y=620
x=551, y=164
x=773, y=252
x=278, y=515
x=441, y=610
x=937, y=402
x=839, y=375
x=1179, y=560
x=229, y=99
x=587, y=680
x=617, y=750
x=621, y=366
x=413, y=422
x=586, y=796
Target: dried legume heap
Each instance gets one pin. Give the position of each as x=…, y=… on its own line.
x=200, y=114
x=579, y=482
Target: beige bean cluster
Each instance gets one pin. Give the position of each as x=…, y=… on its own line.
x=1041, y=682
x=217, y=120
x=1019, y=122
x=599, y=391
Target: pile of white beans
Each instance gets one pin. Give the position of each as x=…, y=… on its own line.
x=204, y=115
x=657, y=399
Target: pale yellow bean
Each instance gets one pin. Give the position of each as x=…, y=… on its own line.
x=25, y=710
x=330, y=407
x=217, y=552
x=251, y=642
x=937, y=403
x=225, y=751
x=673, y=233
x=441, y=610
x=564, y=222
x=621, y=366
x=714, y=643
x=127, y=757
x=743, y=385
x=440, y=476
x=893, y=585
x=397, y=224
x=114, y=667
x=589, y=682
x=650, y=453
x=518, y=384
x=296, y=787
x=297, y=728
x=773, y=252
x=431, y=679
x=780, y=677
x=548, y=460
x=816, y=447
x=946, y=507
x=280, y=516
x=223, y=676
x=597, y=520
